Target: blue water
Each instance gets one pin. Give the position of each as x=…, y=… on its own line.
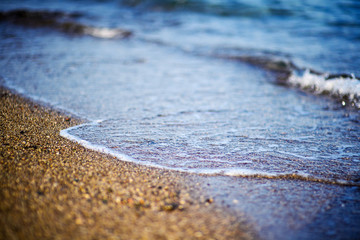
x=240, y=88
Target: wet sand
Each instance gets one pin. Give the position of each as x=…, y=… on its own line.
x=51, y=188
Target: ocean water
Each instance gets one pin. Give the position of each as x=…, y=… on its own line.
x=239, y=88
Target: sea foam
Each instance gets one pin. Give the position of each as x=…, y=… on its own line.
x=342, y=87
x=106, y=33
x=232, y=172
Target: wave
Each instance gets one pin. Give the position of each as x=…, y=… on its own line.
x=282, y=69
x=342, y=86
x=345, y=87
x=60, y=21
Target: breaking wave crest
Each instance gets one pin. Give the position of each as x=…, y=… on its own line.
x=344, y=86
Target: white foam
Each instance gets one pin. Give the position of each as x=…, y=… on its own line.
x=65, y=133
x=229, y=172
x=106, y=33
x=102, y=149
x=233, y=172
x=339, y=87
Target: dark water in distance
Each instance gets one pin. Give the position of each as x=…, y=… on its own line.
x=237, y=88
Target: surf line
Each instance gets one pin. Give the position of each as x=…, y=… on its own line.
x=236, y=172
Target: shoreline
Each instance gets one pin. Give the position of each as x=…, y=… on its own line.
x=54, y=188
x=51, y=187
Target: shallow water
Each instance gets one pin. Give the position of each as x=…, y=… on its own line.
x=195, y=86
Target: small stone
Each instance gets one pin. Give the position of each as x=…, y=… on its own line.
x=209, y=200
x=170, y=207
x=40, y=193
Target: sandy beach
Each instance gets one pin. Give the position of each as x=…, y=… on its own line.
x=51, y=188
x=149, y=119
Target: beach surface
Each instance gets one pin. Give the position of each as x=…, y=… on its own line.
x=51, y=188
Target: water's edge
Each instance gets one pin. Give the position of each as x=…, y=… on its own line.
x=233, y=172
